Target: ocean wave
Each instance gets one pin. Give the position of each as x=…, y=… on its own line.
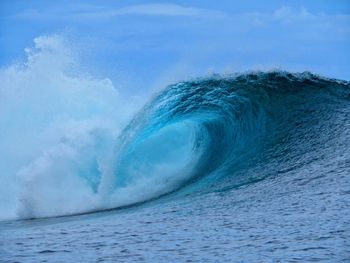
x=64, y=151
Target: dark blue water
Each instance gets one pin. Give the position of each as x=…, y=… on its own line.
x=246, y=168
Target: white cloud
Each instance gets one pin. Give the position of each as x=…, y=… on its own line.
x=290, y=16
x=154, y=9
x=168, y=10
x=284, y=15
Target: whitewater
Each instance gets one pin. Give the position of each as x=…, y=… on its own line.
x=257, y=161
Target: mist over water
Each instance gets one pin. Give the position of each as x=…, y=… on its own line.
x=59, y=140
x=58, y=128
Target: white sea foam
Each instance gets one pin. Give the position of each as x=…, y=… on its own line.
x=58, y=133
x=56, y=125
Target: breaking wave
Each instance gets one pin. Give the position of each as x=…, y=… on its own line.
x=66, y=147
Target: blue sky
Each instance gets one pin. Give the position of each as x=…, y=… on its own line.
x=148, y=43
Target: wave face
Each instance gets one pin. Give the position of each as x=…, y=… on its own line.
x=198, y=134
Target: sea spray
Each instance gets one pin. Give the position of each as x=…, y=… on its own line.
x=57, y=126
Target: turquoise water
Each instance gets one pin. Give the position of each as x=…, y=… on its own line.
x=243, y=168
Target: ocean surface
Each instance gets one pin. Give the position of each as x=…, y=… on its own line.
x=249, y=167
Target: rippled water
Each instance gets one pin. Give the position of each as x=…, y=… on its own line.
x=288, y=219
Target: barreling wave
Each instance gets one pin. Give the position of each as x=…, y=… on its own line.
x=210, y=128
x=197, y=133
